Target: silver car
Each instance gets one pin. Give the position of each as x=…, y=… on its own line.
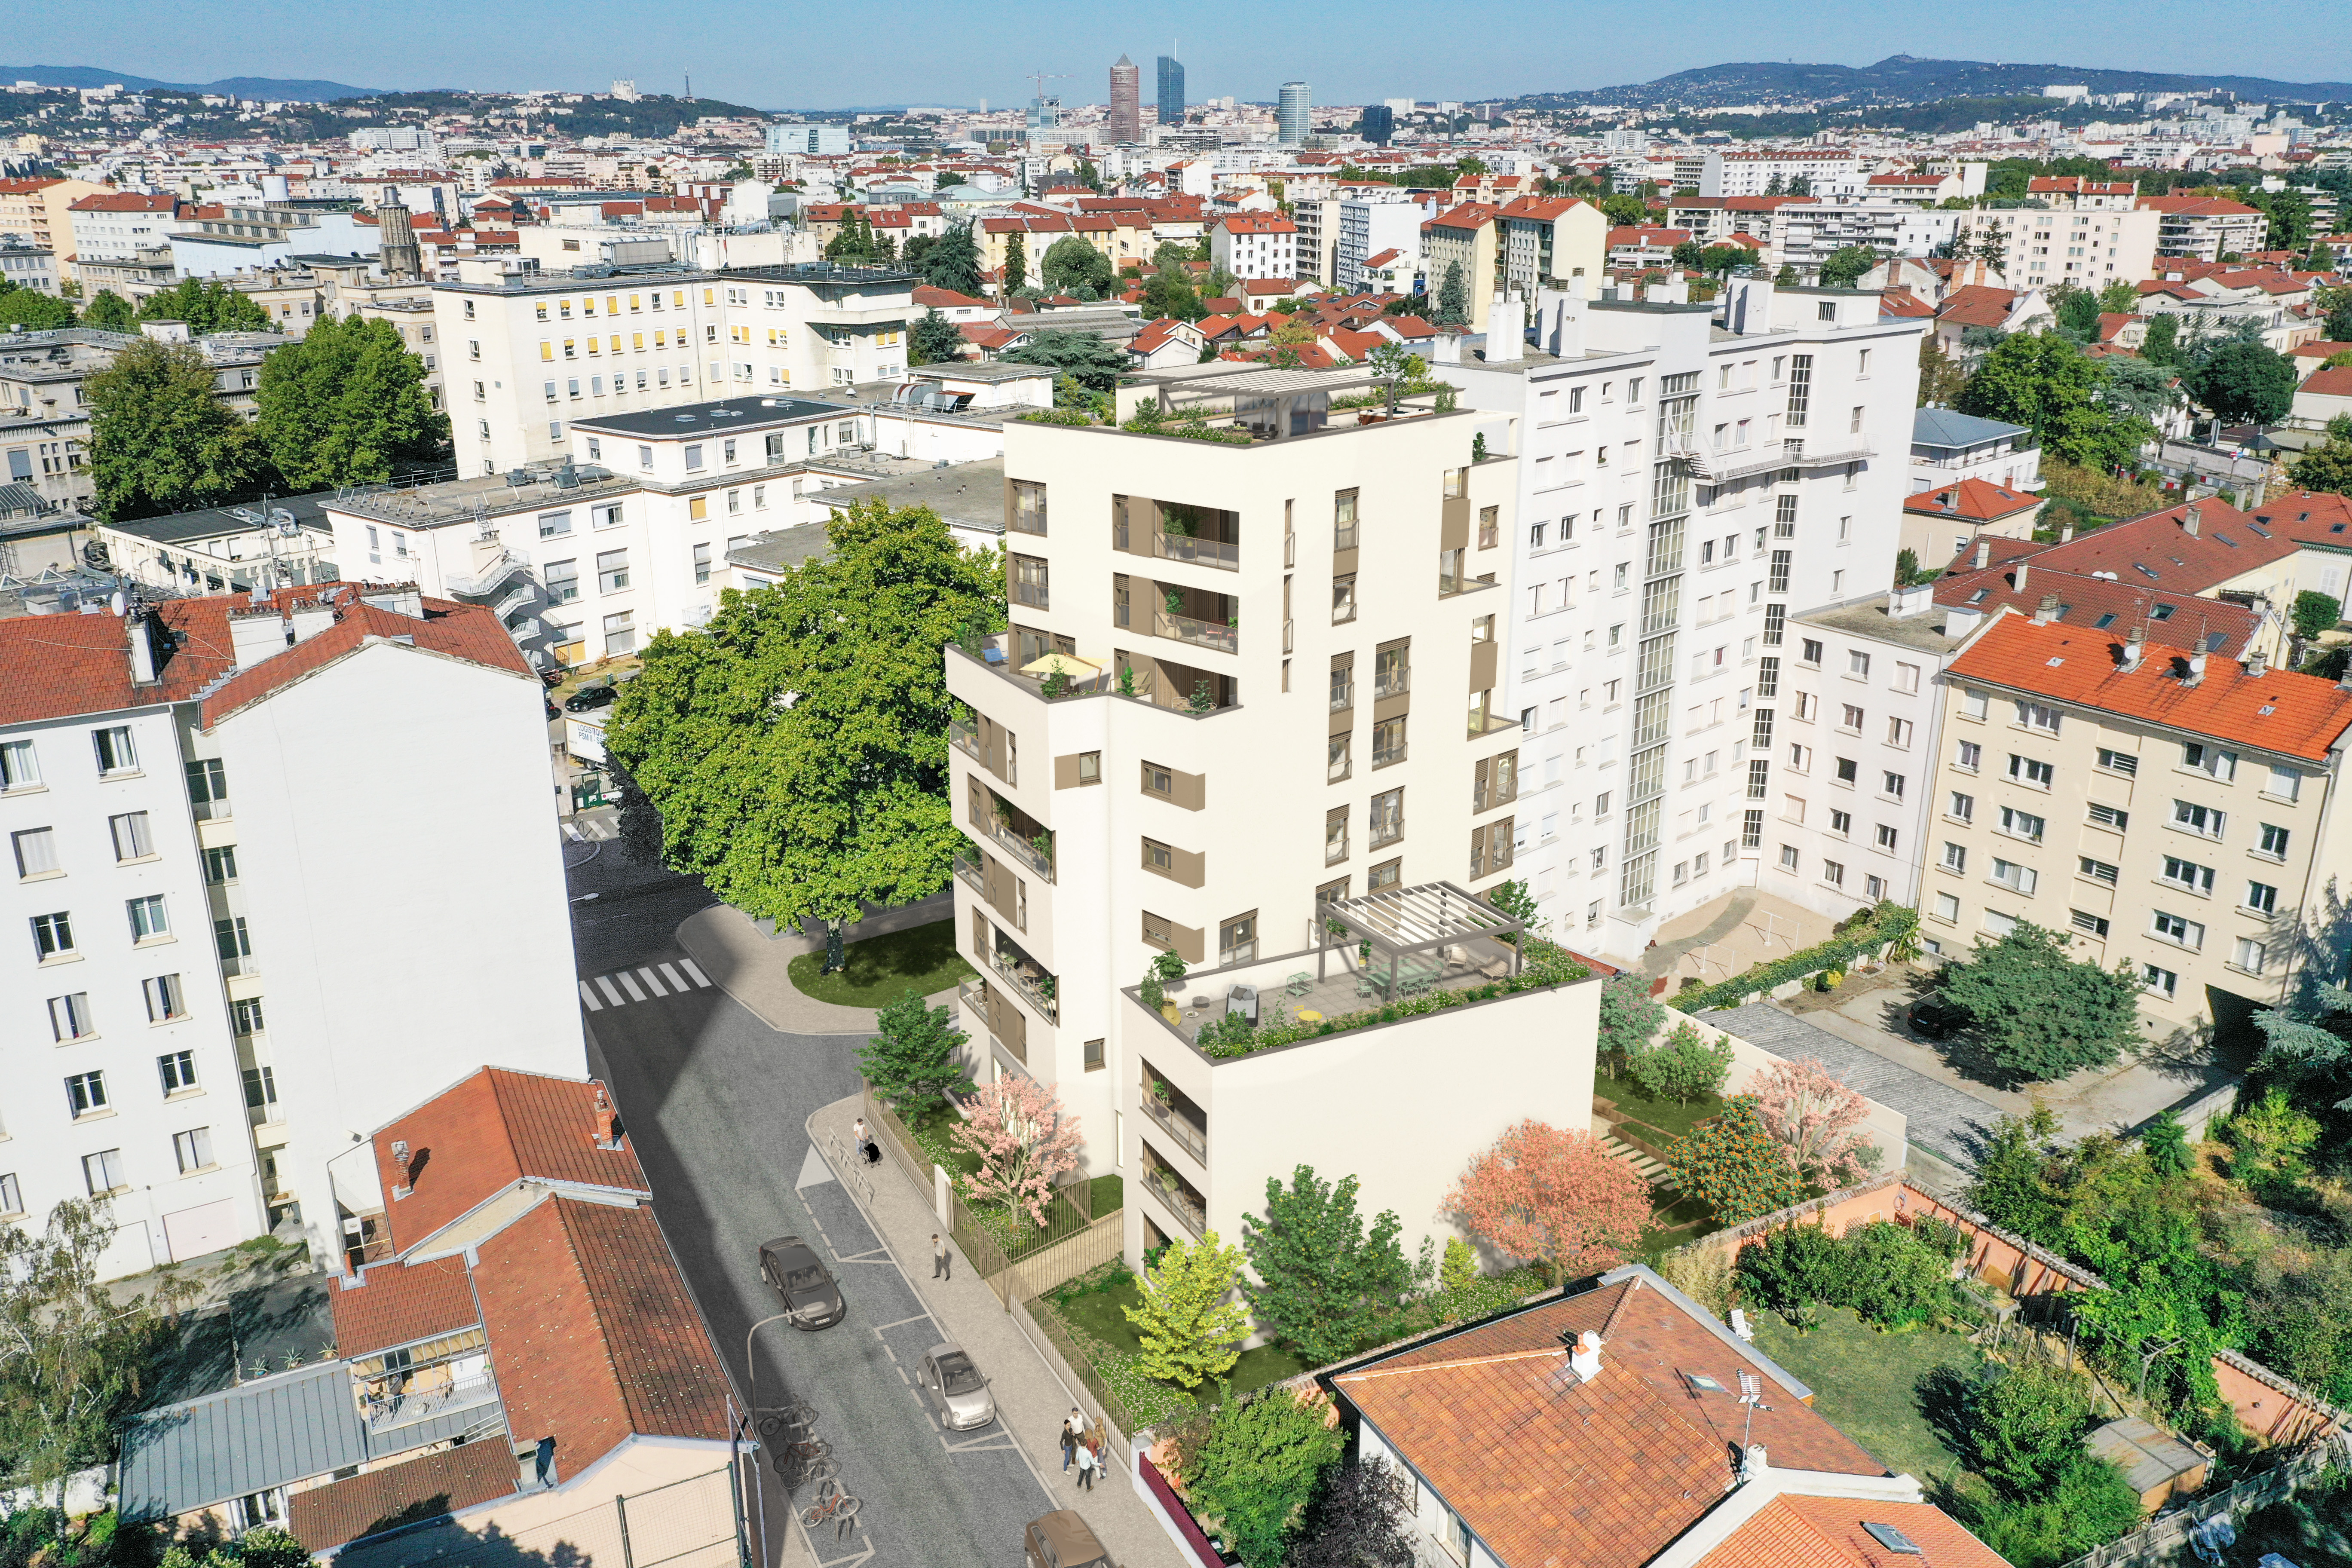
x=955, y=1389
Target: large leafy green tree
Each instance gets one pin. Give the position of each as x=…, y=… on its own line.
x=1016, y=266
x=933, y=338
x=954, y=261
x=1844, y=268
x=160, y=441
x=2162, y=343
x=911, y=1059
x=1074, y=267
x=1169, y=292
x=2245, y=381
x=31, y=308
x=796, y=745
x=1321, y=1280
x=2044, y=383
x=207, y=306
x=1257, y=1466
x=1453, y=298
x=1097, y=365
x=344, y=403
x=111, y=311
x=2328, y=465
x=2038, y=1013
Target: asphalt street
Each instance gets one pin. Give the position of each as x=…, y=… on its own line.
x=714, y=1101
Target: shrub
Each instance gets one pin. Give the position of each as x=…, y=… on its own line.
x=1628, y=1018
x=1684, y=1068
x=1703, y=1272
x=1257, y=1467
x=2268, y=1143
x=2316, y=612
x=1732, y=1165
x=1793, y=1268
x=1891, y=925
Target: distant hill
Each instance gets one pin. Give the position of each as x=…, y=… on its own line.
x=237, y=86
x=1904, y=78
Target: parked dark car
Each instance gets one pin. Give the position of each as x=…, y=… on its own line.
x=589, y=697
x=1061, y=1539
x=1936, y=1018
x=795, y=1272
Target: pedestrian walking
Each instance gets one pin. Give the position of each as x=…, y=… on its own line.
x=942, y=1264
x=1069, y=1441
x=1086, y=1463
x=867, y=1150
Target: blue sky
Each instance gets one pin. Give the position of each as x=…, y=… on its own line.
x=794, y=53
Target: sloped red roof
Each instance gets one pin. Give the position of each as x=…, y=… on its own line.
x=1901, y=302
x=469, y=632
x=2294, y=715
x=2196, y=206
x=485, y=1133
x=1603, y=1474
x=125, y=202
x=1798, y=1532
x=1979, y=501
x=1978, y=305
x=2091, y=602
x=1257, y=223
x=400, y=1303
x=1469, y=215
x=945, y=299
x=1156, y=335
x=2318, y=350
x=2337, y=383
x=323, y=1518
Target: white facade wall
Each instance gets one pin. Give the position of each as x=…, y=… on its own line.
x=2093, y=247
x=1252, y=254
x=164, y=1213
x=617, y=345
x=1580, y=572
x=395, y=830
x=1368, y=228
x=1742, y=174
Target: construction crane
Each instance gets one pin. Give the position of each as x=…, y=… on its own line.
x=1042, y=78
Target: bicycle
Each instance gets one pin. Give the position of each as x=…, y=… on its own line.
x=835, y=1505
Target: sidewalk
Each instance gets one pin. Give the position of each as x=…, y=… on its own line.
x=1034, y=1388
x=749, y=964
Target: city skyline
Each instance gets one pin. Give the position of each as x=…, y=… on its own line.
x=936, y=61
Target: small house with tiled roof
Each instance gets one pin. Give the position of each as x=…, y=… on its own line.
x=1622, y=1425
x=1940, y=524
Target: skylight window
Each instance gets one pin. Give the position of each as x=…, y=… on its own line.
x=2161, y=613
x=1892, y=1539
x=2225, y=539
x=2103, y=622
x=1977, y=597
x=2142, y=568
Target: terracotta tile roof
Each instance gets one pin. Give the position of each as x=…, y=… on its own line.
x=488, y=1131
x=1469, y=215
x=1156, y=335
x=1384, y=258
x=592, y=1335
x=1979, y=501
x=1602, y=1474
x=2318, y=350
x=1411, y=327
x=2310, y=517
x=1975, y=305
x=326, y=1517
x=2196, y=206
x=469, y=632
x=1901, y=302
x=2293, y=715
x=124, y=202
x=2337, y=383
x=945, y=299
x=1257, y=223
x=400, y=1303
x=2157, y=551
x=1647, y=235
x=1796, y=1531
x=2092, y=603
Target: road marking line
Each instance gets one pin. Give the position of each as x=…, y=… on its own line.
x=605, y=982
x=651, y=983
x=918, y=1318
x=590, y=997
x=672, y=976
x=629, y=986
x=699, y=978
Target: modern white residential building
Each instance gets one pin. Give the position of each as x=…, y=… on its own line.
x=1769, y=171
x=2085, y=234
x=240, y=947
x=1280, y=722
x=1691, y=477
x=1369, y=225
x=1254, y=245
x=526, y=352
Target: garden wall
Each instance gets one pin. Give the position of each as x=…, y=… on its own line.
x=2271, y=1407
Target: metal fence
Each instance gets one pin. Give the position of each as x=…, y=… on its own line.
x=2162, y=1539
x=686, y=1524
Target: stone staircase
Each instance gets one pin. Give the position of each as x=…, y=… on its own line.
x=1633, y=1159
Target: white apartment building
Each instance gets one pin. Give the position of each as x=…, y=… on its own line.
x=2087, y=241
x=1686, y=487
x=1254, y=245
x=115, y=225
x=1808, y=232
x=1749, y=172
x=1285, y=714
x=528, y=351
x=240, y=946
x=586, y=559
x=1369, y=225
x=2206, y=229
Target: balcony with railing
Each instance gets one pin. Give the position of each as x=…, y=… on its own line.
x=1223, y=637
x=423, y=1399
x=1177, y=1195
x=1026, y=978
x=1026, y=840
x=966, y=866
x=1343, y=692
x=1174, y=1114
x=964, y=736
x=1224, y=554
x=1391, y=680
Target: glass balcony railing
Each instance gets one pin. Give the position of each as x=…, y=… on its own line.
x=964, y=737
x=1193, y=1140
x=1202, y=634
x=1034, y=985
x=1199, y=552
x=1030, y=852
x=1394, y=681
x=1178, y=1197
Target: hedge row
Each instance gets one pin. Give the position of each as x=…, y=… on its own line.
x=1545, y=965
x=1888, y=924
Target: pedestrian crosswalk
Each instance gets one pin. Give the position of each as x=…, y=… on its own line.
x=623, y=987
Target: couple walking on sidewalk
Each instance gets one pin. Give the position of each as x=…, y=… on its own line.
x=1081, y=1446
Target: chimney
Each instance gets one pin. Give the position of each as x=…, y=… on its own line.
x=2017, y=581
x=2048, y=612
x=2131, y=651
x=1984, y=554
x=2065, y=531
x=1506, y=329
x=140, y=631
x=2258, y=664
x=1585, y=1360
x=1753, y=1463
x=2196, y=671
x=608, y=1121
x=400, y=1164
x=2188, y=520
x=1902, y=603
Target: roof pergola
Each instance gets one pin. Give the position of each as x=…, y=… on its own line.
x=1401, y=921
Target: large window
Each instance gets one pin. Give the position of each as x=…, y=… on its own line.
x=1388, y=817
x=70, y=1018
x=193, y=1149
x=103, y=1173
x=612, y=571
x=116, y=754
x=19, y=768
x=148, y=919
x=86, y=1093
x=132, y=839
x=177, y=1069
x=2202, y=820
x=53, y=935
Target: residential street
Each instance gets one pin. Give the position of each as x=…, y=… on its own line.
x=716, y=1103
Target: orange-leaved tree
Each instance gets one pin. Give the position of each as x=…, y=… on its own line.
x=1552, y=1197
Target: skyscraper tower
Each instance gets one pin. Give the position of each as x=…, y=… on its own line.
x=1171, y=90
x=1292, y=117
x=1125, y=101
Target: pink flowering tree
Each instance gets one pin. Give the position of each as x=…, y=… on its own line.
x=1804, y=1106
x=1025, y=1143
x=1554, y=1197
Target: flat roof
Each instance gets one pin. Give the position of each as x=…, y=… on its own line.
x=214, y=522
x=782, y=549
x=726, y=415
x=1869, y=617
x=969, y=494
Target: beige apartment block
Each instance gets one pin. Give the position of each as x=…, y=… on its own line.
x=1281, y=710
x=2169, y=810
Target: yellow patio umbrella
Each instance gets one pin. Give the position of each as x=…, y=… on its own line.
x=1068, y=664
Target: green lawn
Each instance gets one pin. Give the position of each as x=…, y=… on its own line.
x=1100, y=1312
x=878, y=971
x=1659, y=1121
x=1866, y=1382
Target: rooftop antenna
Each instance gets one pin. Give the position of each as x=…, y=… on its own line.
x=1751, y=1395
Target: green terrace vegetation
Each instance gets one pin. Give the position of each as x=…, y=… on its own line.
x=1890, y=925
x=1544, y=966
x=880, y=968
